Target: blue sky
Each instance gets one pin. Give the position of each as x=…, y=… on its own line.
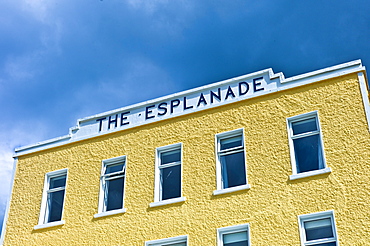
x=64, y=60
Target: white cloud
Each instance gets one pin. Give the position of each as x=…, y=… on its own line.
x=140, y=80
x=21, y=64
x=19, y=134
x=168, y=17
x=39, y=8
x=140, y=75
x=20, y=68
x=6, y=171
x=46, y=12
x=148, y=6
x=6, y=167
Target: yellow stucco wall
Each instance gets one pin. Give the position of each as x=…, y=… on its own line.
x=271, y=206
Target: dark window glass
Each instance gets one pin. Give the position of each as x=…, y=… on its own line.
x=176, y=244
x=303, y=126
x=318, y=229
x=308, y=153
x=57, y=182
x=235, y=239
x=55, y=205
x=233, y=169
x=170, y=156
x=171, y=182
x=114, y=195
x=113, y=168
x=327, y=244
x=229, y=143
x=244, y=243
x=318, y=233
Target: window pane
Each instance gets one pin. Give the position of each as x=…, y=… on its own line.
x=228, y=143
x=308, y=153
x=317, y=223
x=170, y=156
x=114, y=194
x=233, y=169
x=171, y=182
x=55, y=206
x=308, y=125
x=238, y=238
x=57, y=182
x=176, y=244
x=318, y=229
x=114, y=168
x=327, y=244
x=241, y=243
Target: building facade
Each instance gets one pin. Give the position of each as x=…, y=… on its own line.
x=255, y=160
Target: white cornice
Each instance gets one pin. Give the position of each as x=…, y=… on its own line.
x=255, y=84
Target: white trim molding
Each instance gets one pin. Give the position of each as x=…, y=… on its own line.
x=237, y=229
x=105, y=178
x=168, y=241
x=228, y=144
x=365, y=96
x=311, y=131
x=167, y=202
x=310, y=173
x=44, y=213
x=167, y=158
x=231, y=189
x=48, y=225
x=221, y=93
x=5, y=219
x=323, y=221
x=111, y=212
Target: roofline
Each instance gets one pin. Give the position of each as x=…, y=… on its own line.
x=246, y=76
x=286, y=83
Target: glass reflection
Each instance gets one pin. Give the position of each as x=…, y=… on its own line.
x=171, y=182
x=308, y=153
x=229, y=143
x=114, y=194
x=170, y=156
x=57, y=182
x=236, y=239
x=233, y=169
x=303, y=126
x=55, y=206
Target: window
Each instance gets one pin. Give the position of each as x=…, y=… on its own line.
x=53, y=199
x=112, y=183
x=306, y=146
x=168, y=175
x=233, y=235
x=231, y=169
x=318, y=229
x=173, y=241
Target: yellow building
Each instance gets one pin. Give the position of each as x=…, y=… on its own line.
x=259, y=159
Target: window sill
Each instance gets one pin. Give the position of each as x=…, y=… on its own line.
x=231, y=189
x=108, y=213
x=309, y=174
x=47, y=225
x=166, y=202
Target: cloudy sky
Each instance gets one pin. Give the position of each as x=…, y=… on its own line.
x=64, y=60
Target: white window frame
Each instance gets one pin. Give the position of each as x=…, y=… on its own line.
x=101, y=206
x=157, y=179
x=43, y=211
x=301, y=117
x=317, y=216
x=218, y=137
x=232, y=229
x=168, y=241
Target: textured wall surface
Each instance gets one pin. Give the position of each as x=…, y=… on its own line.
x=270, y=206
